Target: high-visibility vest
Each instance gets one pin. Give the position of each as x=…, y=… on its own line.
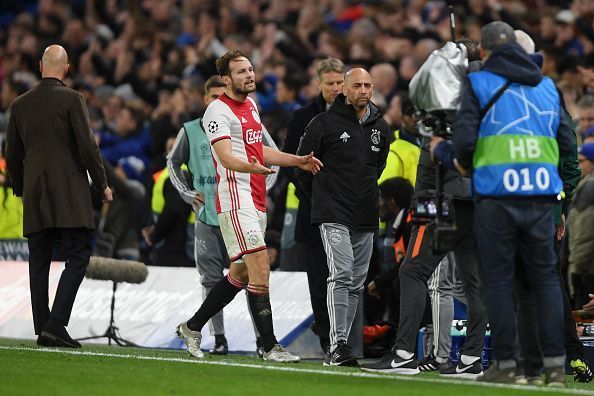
x=158, y=199
x=402, y=160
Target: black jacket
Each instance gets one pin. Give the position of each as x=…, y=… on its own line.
x=305, y=232
x=345, y=191
x=171, y=230
x=513, y=63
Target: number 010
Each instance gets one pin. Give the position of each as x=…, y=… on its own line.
x=514, y=180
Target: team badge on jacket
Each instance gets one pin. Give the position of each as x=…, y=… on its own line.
x=375, y=136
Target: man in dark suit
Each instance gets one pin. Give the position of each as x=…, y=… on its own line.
x=331, y=78
x=50, y=148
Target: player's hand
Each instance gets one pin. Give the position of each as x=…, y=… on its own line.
x=590, y=305
x=107, y=195
x=561, y=228
x=198, y=199
x=374, y=290
x=256, y=167
x=147, y=232
x=435, y=140
x=309, y=163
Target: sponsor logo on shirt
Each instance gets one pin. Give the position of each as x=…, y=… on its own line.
x=252, y=137
x=345, y=136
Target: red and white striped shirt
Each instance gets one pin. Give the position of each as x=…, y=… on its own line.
x=226, y=118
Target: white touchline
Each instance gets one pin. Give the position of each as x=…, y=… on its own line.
x=300, y=370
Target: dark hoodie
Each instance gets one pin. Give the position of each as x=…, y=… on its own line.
x=511, y=62
x=354, y=155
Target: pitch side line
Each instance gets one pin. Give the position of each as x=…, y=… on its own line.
x=308, y=371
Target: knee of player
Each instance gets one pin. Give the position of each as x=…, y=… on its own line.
x=342, y=279
x=410, y=271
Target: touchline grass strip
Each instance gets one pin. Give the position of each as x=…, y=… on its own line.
x=296, y=369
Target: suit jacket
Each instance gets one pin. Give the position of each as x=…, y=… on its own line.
x=305, y=232
x=50, y=147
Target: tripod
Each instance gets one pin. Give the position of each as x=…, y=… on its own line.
x=112, y=332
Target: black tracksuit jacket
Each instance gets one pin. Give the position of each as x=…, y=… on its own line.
x=354, y=155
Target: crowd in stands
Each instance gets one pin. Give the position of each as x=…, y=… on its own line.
x=142, y=64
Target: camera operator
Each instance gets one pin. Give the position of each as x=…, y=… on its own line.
x=418, y=266
x=510, y=131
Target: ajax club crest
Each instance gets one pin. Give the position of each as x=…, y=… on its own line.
x=375, y=136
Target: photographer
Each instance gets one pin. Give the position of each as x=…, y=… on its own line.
x=510, y=132
x=418, y=266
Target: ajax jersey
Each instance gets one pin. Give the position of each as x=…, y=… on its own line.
x=226, y=118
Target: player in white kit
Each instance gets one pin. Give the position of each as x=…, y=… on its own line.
x=234, y=130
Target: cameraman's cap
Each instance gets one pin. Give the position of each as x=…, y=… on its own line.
x=495, y=34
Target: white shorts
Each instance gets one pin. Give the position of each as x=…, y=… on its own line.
x=243, y=232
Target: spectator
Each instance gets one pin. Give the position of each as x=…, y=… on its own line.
x=581, y=232
x=169, y=235
x=585, y=113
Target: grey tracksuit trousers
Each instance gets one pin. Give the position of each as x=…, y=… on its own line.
x=348, y=254
x=444, y=285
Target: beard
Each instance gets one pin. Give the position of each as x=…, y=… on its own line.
x=240, y=89
x=360, y=105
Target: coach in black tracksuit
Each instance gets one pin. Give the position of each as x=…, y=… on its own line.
x=351, y=140
x=331, y=79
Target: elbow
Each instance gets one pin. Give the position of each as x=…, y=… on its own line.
x=225, y=162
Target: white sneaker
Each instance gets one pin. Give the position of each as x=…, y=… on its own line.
x=191, y=338
x=280, y=355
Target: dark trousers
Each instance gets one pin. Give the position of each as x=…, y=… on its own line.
x=317, y=279
x=528, y=330
x=505, y=230
x=420, y=263
x=76, y=249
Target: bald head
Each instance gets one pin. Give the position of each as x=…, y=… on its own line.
x=54, y=62
x=358, y=88
x=357, y=73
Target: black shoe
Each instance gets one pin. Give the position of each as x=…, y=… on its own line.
x=328, y=358
x=342, y=355
x=430, y=363
x=259, y=348
x=461, y=370
x=221, y=347
x=55, y=335
x=502, y=376
x=392, y=363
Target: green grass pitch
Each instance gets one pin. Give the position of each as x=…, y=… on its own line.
x=26, y=369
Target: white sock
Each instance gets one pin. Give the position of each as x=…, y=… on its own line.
x=404, y=354
x=440, y=359
x=468, y=359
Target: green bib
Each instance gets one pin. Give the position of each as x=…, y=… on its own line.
x=203, y=172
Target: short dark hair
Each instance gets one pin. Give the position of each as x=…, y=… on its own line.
x=214, y=81
x=472, y=49
x=223, y=62
x=136, y=115
x=399, y=189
